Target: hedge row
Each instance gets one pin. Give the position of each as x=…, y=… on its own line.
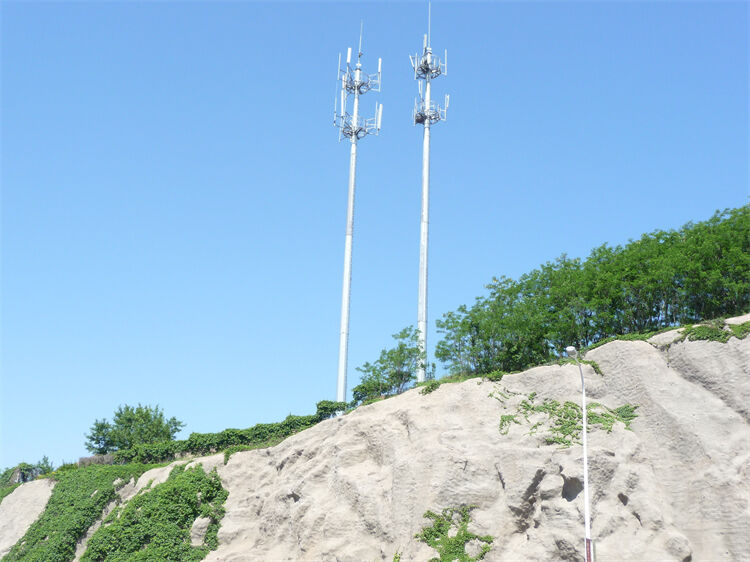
x=260, y=435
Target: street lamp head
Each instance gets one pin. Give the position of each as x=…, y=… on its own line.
x=571, y=351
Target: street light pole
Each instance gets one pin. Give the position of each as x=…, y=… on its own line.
x=588, y=544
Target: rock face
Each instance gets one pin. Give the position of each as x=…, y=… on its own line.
x=676, y=487
x=20, y=509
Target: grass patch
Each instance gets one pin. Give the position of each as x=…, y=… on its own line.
x=449, y=535
x=715, y=332
x=7, y=490
x=155, y=525
x=705, y=333
x=740, y=331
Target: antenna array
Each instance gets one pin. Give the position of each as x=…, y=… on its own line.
x=354, y=83
x=427, y=67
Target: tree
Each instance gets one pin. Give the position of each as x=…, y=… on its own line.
x=663, y=279
x=394, y=370
x=131, y=426
x=44, y=466
x=326, y=409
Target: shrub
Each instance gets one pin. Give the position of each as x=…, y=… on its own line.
x=430, y=386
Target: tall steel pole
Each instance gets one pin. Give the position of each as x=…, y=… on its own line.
x=426, y=67
x=353, y=82
x=424, y=228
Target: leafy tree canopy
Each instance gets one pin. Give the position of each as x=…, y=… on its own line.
x=663, y=279
x=394, y=370
x=131, y=426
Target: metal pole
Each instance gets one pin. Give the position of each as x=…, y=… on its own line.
x=424, y=236
x=587, y=543
x=346, y=292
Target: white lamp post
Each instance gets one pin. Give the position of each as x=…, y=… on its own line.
x=588, y=545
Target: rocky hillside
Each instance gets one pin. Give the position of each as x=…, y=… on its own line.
x=675, y=485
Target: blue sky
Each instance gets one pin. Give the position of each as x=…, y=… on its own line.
x=174, y=195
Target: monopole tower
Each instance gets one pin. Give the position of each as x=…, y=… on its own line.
x=354, y=83
x=427, y=67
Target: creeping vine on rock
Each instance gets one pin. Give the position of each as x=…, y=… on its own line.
x=566, y=420
x=156, y=524
x=450, y=546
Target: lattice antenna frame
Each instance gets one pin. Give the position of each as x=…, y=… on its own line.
x=354, y=82
x=427, y=67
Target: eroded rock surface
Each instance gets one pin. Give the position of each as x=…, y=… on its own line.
x=20, y=509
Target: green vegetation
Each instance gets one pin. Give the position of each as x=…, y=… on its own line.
x=505, y=421
x=76, y=502
x=156, y=524
x=25, y=472
x=659, y=282
x=662, y=280
x=740, y=331
x=130, y=427
x=259, y=436
x=566, y=420
x=707, y=333
x=628, y=337
x=13, y=477
x=449, y=535
x=715, y=331
x=7, y=490
x=393, y=371
x=430, y=386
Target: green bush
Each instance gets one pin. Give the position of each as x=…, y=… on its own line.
x=326, y=409
x=430, y=386
x=156, y=524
